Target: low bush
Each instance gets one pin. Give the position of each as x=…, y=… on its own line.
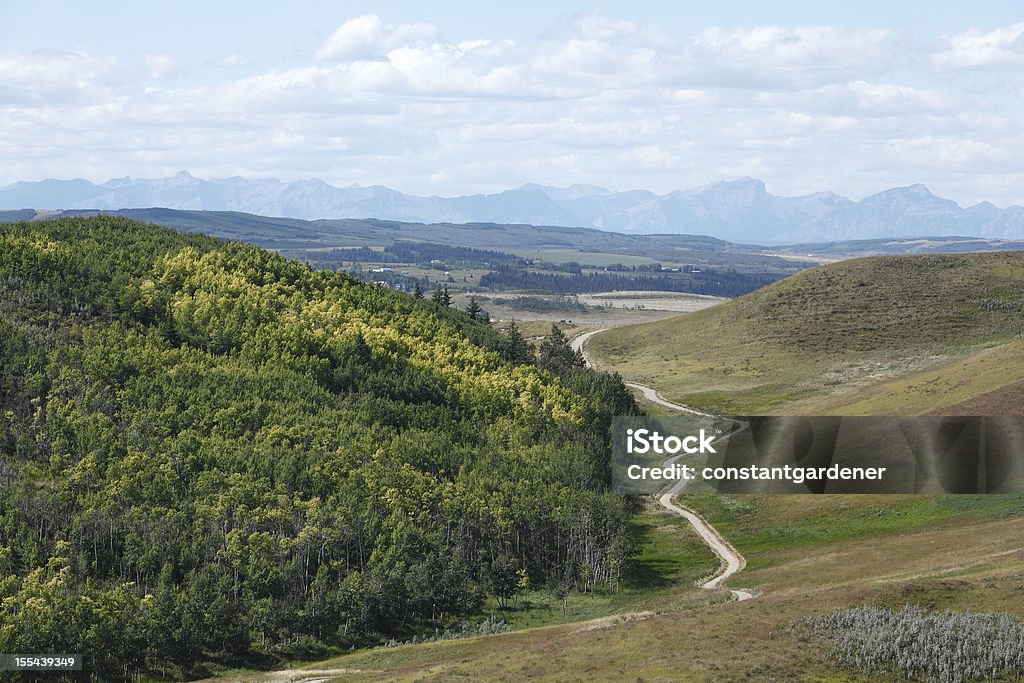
x=947, y=647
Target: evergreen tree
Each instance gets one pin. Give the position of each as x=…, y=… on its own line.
x=361, y=351
x=473, y=309
x=518, y=350
x=417, y=291
x=441, y=296
x=557, y=355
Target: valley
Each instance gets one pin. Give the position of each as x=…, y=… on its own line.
x=802, y=556
x=562, y=341
x=659, y=595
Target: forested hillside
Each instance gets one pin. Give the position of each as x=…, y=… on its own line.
x=210, y=453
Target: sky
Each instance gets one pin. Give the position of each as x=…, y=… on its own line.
x=458, y=98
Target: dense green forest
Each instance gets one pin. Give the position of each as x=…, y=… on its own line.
x=404, y=252
x=711, y=281
x=212, y=454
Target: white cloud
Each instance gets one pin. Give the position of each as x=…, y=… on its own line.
x=826, y=46
x=598, y=26
x=51, y=75
x=161, y=66
x=367, y=37
x=972, y=49
x=788, y=57
x=865, y=99
x=232, y=61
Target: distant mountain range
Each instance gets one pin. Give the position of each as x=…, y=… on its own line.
x=738, y=210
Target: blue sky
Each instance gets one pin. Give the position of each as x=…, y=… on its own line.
x=446, y=98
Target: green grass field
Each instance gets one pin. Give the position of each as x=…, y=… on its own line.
x=813, y=522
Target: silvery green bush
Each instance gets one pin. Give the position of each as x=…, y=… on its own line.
x=948, y=646
x=464, y=629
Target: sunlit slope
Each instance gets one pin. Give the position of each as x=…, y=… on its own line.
x=857, y=336
x=986, y=382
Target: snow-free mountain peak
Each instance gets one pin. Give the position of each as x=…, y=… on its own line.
x=740, y=209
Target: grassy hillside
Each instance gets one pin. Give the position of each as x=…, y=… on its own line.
x=828, y=338
x=212, y=455
x=958, y=385
x=808, y=555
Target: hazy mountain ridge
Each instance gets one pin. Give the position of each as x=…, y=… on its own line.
x=740, y=209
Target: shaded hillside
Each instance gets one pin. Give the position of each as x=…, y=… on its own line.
x=210, y=453
x=826, y=331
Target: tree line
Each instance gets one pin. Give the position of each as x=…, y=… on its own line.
x=407, y=252
x=727, y=283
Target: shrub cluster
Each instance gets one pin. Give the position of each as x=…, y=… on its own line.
x=464, y=629
x=949, y=646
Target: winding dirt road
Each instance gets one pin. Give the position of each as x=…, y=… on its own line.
x=732, y=560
